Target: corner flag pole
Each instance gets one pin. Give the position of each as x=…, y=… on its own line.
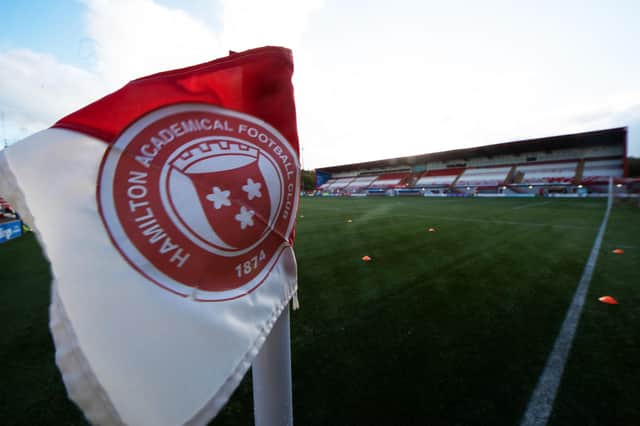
x=610, y=197
x=271, y=372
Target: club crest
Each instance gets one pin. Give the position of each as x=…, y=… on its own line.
x=200, y=200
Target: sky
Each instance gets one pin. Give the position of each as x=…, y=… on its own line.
x=373, y=79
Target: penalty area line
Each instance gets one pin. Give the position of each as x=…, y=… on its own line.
x=540, y=405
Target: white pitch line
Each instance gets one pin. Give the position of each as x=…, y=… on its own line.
x=541, y=402
x=524, y=206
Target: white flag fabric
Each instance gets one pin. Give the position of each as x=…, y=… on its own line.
x=167, y=212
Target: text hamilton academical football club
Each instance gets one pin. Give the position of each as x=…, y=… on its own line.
x=137, y=182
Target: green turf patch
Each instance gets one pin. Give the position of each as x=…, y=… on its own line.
x=601, y=384
x=32, y=392
x=447, y=327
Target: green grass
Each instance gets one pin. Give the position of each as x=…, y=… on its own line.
x=451, y=327
x=602, y=381
x=32, y=392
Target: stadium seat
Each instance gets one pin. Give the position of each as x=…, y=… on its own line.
x=599, y=171
x=544, y=173
x=439, y=178
x=484, y=177
x=390, y=180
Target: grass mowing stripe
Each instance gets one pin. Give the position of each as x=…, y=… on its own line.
x=541, y=402
x=524, y=206
x=492, y=221
x=442, y=301
x=460, y=304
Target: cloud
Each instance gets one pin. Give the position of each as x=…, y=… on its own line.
x=357, y=99
x=36, y=90
x=252, y=23
x=622, y=116
x=134, y=38
x=127, y=39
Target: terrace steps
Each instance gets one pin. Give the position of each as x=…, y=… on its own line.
x=453, y=184
x=579, y=171
x=510, y=175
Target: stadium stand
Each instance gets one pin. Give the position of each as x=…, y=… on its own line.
x=390, y=180
x=327, y=184
x=439, y=178
x=360, y=183
x=600, y=170
x=7, y=215
x=567, y=164
x=340, y=184
x=560, y=172
x=483, y=177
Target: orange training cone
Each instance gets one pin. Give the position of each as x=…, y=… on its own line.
x=608, y=300
x=618, y=251
x=366, y=258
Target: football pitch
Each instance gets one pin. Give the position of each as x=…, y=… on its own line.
x=451, y=327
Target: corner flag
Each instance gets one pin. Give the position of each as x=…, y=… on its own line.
x=167, y=211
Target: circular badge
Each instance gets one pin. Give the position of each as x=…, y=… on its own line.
x=200, y=200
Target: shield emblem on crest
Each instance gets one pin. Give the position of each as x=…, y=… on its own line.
x=223, y=194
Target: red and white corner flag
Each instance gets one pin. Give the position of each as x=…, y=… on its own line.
x=167, y=211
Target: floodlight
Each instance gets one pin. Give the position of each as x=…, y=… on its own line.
x=579, y=186
x=619, y=185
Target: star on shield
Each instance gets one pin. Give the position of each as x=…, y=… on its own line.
x=219, y=198
x=245, y=217
x=252, y=189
